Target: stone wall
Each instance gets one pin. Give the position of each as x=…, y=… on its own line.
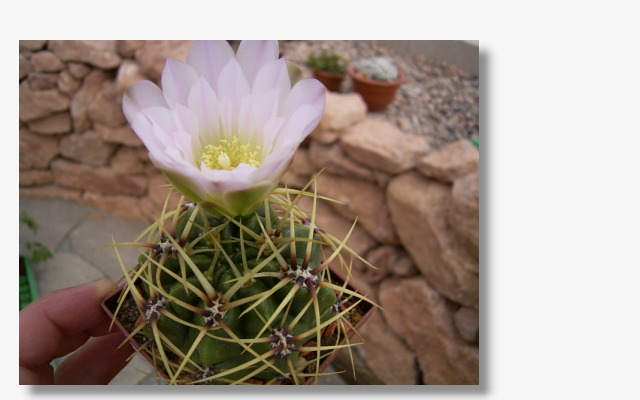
x=417, y=207
x=75, y=142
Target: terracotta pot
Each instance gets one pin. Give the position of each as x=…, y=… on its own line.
x=376, y=94
x=110, y=304
x=331, y=81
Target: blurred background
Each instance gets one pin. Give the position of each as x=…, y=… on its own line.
x=409, y=171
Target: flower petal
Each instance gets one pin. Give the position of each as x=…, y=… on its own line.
x=301, y=123
x=204, y=104
x=306, y=91
x=254, y=54
x=140, y=95
x=177, y=79
x=273, y=75
x=232, y=84
x=209, y=57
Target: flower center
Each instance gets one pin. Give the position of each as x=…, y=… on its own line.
x=228, y=154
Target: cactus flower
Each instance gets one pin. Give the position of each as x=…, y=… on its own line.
x=224, y=127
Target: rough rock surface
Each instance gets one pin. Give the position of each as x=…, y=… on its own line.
x=36, y=104
x=36, y=151
x=383, y=359
x=120, y=205
x=87, y=148
x=363, y=200
x=52, y=125
x=424, y=319
x=46, y=61
x=450, y=162
x=413, y=198
x=153, y=54
x=35, y=177
x=67, y=83
x=464, y=213
x=379, y=145
x=97, y=180
x=91, y=86
x=333, y=160
x=99, y=53
x=119, y=135
x=342, y=111
x=43, y=80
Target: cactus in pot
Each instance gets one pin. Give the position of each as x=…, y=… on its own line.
x=234, y=285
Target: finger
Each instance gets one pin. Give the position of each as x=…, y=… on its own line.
x=60, y=321
x=95, y=363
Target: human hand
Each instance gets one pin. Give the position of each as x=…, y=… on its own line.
x=62, y=321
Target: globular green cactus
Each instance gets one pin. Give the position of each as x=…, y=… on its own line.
x=242, y=300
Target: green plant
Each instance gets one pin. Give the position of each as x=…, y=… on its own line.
x=377, y=68
x=327, y=61
x=241, y=300
x=37, y=252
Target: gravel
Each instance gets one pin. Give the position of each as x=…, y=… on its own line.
x=437, y=100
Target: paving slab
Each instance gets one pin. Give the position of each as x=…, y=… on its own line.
x=56, y=219
x=138, y=370
x=64, y=270
x=99, y=230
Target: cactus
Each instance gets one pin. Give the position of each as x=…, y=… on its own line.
x=241, y=300
x=377, y=68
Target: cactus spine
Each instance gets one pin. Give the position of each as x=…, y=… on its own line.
x=241, y=300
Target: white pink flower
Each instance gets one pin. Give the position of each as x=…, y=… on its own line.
x=224, y=126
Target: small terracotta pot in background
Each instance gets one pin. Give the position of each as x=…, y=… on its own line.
x=331, y=81
x=377, y=94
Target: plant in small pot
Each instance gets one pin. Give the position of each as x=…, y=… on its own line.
x=237, y=285
x=376, y=79
x=329, y=68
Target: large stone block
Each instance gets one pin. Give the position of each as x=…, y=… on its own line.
x=152, y=55
x=333, y=160
x=91, y=86
x=424, y=319
x=450, y=162
x=46, y=61
x=35, y=177
x=342, y=111
x=52, y=125
x=99, y=53
x=419, y=208
x=87, y=148
x=381, y=146
x=106, y=107
x=363, y=200
x=119, y=135
x=383, y=359
x=97, y=180
x=464, y=213
x=36, y=151
x=36, y=104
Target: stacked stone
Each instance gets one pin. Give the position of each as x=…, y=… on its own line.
x=417, y=206
x=418, y=222
x=75, y=142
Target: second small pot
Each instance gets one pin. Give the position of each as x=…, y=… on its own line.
x=376, y=94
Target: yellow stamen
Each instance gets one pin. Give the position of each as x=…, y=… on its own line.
x=228, y=154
